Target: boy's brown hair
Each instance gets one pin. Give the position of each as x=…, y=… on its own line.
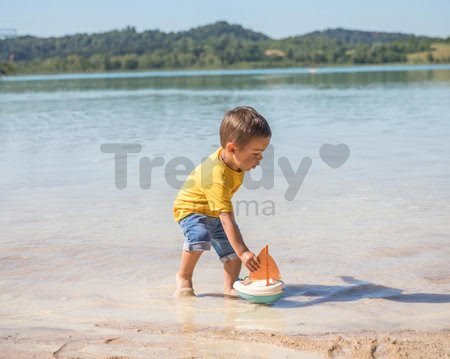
x=241, y=124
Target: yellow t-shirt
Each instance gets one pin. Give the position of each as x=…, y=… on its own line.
x=208, y=189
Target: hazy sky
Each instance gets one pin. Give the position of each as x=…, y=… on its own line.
x=276, y=18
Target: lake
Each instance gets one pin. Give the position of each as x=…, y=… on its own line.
x=361, y=244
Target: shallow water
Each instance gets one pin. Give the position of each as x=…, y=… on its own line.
x=362, y=246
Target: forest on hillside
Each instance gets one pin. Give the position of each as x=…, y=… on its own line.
x=218, y=45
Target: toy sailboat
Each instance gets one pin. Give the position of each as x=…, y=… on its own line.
x=264, y=285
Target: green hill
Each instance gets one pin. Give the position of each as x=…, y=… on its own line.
x=354, y=37
x=218, y=45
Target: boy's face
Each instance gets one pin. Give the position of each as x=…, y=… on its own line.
x=249, y=156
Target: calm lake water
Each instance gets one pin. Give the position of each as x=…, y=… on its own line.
x=361, y=246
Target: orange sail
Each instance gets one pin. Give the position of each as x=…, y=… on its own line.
x=268, y=269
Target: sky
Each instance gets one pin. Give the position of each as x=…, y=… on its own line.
x=275, y=18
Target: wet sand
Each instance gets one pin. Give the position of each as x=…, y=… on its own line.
x=98, y=301
x=150, y=340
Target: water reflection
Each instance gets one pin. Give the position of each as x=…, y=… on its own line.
x=246, y=79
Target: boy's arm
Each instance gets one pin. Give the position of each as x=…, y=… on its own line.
x=237, y=242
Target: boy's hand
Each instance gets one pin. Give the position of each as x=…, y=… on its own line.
x=250, y=261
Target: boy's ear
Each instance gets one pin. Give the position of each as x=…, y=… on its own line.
x=231, y=147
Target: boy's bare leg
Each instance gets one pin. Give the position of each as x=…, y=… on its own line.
x=232, y=268
x=184, y=275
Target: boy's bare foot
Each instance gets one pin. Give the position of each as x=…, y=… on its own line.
x=184, y=293
x=184, y=287
x=230, y=293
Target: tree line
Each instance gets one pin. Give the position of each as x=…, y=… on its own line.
x=218, y=45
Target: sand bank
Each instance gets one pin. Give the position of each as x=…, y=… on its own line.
x=146, y=340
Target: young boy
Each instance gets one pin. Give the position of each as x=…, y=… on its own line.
x=203, y=206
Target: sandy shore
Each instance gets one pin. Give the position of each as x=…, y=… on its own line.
x=145, y=339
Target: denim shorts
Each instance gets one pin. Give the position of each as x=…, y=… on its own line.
x=202, y=231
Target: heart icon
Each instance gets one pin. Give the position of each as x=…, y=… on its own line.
x=334, y=155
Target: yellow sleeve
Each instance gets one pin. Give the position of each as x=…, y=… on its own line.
x=218, y=194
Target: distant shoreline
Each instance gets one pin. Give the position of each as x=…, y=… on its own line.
x=226, y=72
x=214, y=46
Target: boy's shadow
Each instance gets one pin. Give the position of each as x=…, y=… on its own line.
x=357, y=290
